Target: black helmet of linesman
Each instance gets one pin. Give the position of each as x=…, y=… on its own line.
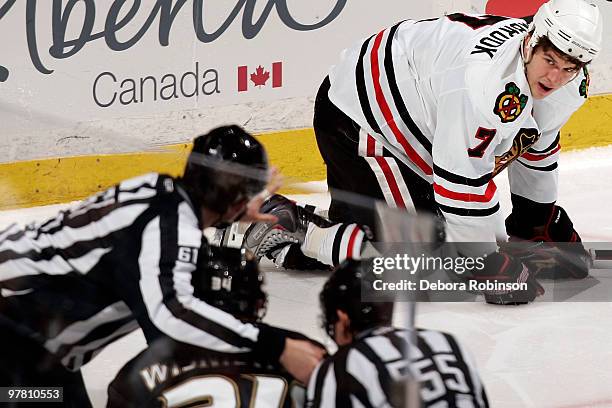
x=230, y=280
x=226, y=165
x=342, y=291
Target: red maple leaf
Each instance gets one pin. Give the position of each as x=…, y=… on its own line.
x=260, y=76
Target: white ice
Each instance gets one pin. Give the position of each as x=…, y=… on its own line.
x=546, y=354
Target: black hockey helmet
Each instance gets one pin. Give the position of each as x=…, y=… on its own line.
x=226, y=165
x=342, y=291
x=230, y=279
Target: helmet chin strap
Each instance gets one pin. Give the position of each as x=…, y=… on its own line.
x=527, y=49
x=533, y=39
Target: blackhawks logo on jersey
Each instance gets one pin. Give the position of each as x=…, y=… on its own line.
x=524, y=139
x=510, y=103
x=584, y=85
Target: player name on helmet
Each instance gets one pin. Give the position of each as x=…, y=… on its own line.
x=498, y=37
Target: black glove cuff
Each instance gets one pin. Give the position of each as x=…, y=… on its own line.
x=270, y=343
x=531, y=212
x=526, y=215
x=560, y=228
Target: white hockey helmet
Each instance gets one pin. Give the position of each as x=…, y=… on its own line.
x=573, y=26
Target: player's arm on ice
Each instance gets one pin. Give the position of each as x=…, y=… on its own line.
x=535, y=217
x=464, y=164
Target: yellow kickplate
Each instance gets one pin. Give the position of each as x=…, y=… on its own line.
x=59, y=180
x=294, y=152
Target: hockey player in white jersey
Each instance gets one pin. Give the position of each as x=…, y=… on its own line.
x=424, y=115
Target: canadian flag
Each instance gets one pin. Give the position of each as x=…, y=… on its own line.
x=259, y=76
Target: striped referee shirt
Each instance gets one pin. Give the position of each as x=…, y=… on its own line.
x=369, y=372
x=121, y=259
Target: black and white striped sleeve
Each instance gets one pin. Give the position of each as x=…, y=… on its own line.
x=322, y=385
x=355, y=377
x=479, y=393
x=168, y=257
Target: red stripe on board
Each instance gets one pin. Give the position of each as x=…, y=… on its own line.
x=397, y=196
x=537, y=157
x=474, y=198
x=242, y=78
x=386, y=111
x=351, y=243
x=277, y=75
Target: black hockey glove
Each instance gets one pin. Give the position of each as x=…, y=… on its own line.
x=270, y=343
x=562, y=255
x=500, y=271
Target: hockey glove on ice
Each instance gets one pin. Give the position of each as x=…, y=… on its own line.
x=501, y=269
x=565, y=257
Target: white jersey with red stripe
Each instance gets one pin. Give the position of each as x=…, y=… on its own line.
x=450, y=99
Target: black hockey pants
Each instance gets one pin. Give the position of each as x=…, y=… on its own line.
x=357, y=164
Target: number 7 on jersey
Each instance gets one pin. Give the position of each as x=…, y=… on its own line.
x=486, y=135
